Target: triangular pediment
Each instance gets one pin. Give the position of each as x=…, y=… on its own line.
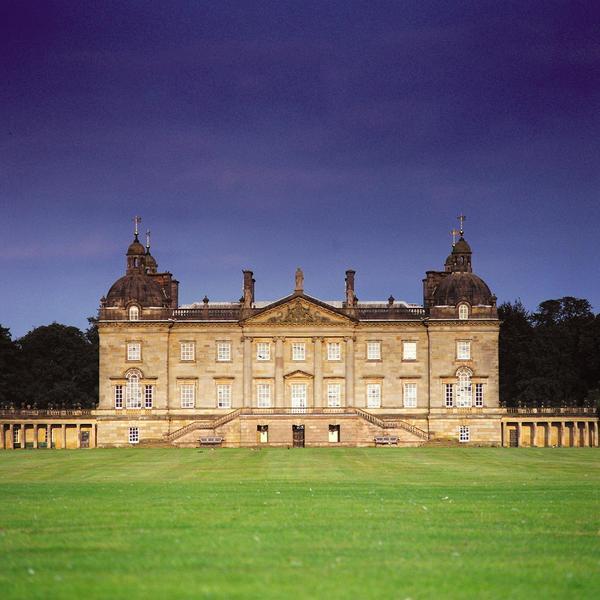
x=299, y=309
x=298, y=373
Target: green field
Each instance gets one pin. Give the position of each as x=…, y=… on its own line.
x=327, y=523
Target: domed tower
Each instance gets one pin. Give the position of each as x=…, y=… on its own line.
x=457, y=292
x=139, y=290
x=149, y=261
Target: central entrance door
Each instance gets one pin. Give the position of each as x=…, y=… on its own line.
x=299, y=396
x=298, y=435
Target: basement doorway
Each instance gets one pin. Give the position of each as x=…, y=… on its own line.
x=298, y=436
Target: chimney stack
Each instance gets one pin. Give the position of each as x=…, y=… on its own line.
x=350, y=295
x=248, y=298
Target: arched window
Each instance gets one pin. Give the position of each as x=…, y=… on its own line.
x=464, y=388
x=463, y=312
x=134, y=313
x=133, y=389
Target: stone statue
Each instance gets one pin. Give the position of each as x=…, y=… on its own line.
x=299, y=280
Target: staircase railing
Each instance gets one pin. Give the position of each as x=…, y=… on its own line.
x=392, y=424
x=206, y=424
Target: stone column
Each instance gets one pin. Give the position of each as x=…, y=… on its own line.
x=35, y=435
x=349, y=371
x=519, y=434
x=49, y=436
x=64, y=436
x=78, y=435
x=503, y=433
x=247, y=372
x=561, y=434
x=93, y=436
x=588, y=433
x=534, y=427
x=318, y=372
x=279, y=388
x=11, y=436
x=23, y=437
x=3, y=434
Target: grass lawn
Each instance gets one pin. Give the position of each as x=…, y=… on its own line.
x=327, y=523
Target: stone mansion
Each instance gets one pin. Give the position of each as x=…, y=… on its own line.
x=299, y=371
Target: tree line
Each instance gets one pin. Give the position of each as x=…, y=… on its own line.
x=53, y=366
x=550, y=357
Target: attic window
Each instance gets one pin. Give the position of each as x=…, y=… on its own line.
x=134, y=313
x=463, y=312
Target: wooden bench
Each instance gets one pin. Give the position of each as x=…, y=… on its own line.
x=386, y=440
x=211, y=441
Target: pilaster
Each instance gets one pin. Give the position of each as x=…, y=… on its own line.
x=349, y=371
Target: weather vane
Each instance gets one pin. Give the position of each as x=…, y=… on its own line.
x=136, y=221
x=462, y=219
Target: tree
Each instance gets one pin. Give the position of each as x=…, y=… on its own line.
x=9, y=367
x=550, y=357
x=60, y=367
x=515, y=345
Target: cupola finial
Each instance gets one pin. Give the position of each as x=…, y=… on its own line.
x=136, y=221
x=462, y=218
x=147, y=241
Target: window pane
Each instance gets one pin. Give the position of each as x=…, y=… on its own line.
x=373, y=395
x=148, y=396
x=118, y=396
x=223, y=395
x=449, y=395
x=187, y=351
x=263, y=351
x=298, y=351
x=334, y=394
x=334, y=351
x=464, y=389
x=373, y=350
x=263, y=394
x=134, y=351
x=409, y=350
x=410, y=395
x=134, y=435
x=186, y=394
x=479, y=394
x=133, y=391
x=223, y=351
x=463, y=350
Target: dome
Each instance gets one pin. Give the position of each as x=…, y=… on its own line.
x=151, y=264
x=461, y=247
x=136, y=287
x=462, y=286
x=136, y=248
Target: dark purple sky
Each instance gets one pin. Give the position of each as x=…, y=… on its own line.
x=271, y=135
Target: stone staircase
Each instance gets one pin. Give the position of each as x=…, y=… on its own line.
x=392, y=424
x=205, y=424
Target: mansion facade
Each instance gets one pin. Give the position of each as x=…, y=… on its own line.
x=299, y=371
